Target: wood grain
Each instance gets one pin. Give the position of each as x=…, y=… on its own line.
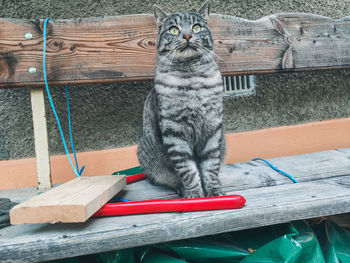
x=74, y=201
x=256, y=174
x=323, y=190
x=40, y=139
x=122, y=48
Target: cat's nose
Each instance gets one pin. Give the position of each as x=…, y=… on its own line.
x=187, y=37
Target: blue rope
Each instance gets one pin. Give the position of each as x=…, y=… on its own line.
x=123, y=200
x=276, y=169
x=76, y=171
x=71, y=136
x=119, y=199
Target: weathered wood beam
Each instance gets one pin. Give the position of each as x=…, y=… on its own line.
x=122, y=48
x=257, y=174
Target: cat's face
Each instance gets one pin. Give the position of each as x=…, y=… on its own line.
x=183, y=36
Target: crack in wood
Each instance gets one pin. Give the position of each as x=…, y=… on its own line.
x=104, y=73
x=37, y=26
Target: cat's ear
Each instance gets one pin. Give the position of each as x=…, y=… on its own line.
x=159, y=15
x=204, y=10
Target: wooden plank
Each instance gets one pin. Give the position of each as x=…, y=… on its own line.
x=40, y=139
x=112, y=49
x=265, y=206
x=256, y=174
x=74, y=201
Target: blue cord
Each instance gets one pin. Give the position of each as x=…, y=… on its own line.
x=276, y=169
x=124, y=200
x=76, y=171
x=71, y=136
x=119, y=199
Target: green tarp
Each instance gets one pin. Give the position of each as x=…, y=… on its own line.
x=296, y=242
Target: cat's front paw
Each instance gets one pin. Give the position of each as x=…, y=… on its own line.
x=215, y=192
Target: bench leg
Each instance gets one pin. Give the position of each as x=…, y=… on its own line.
x=41, y=139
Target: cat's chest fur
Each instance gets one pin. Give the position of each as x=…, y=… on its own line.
x=190, y=102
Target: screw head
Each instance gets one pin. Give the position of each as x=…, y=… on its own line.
x=32, y=70
x=28, y=35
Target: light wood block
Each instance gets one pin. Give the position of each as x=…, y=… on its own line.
x=41, y=139
x=74, y=201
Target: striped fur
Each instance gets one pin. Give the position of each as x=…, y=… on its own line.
x=182, y=145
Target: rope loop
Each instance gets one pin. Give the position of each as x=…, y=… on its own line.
x=76, y=170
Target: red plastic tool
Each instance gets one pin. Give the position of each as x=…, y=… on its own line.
x=172, y=205
x=135, y=178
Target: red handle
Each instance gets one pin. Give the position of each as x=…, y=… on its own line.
x=172, y=205
x=135, y=177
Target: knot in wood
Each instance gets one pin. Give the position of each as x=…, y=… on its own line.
x=151, y=43
x=55, y=44
x=277, y=25
x=145, y=43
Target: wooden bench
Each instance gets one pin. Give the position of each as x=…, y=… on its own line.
x=116, y=49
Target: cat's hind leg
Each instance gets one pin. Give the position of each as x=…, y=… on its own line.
x=157, y=167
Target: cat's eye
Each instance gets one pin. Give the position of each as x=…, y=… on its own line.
x=174, y=30
x=196, y=28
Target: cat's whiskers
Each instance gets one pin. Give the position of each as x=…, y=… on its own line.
x=198, y=45
x=168, y=56
x=212, y=52
x=207, y=58
x=171, y=59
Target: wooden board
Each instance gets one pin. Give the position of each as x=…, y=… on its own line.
x=122, y=48
x=271, y=199
x=74, y=201
x=256, y=174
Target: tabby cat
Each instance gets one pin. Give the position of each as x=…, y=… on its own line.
x=182, y=145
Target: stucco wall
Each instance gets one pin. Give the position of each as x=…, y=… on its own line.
x=108, y=116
